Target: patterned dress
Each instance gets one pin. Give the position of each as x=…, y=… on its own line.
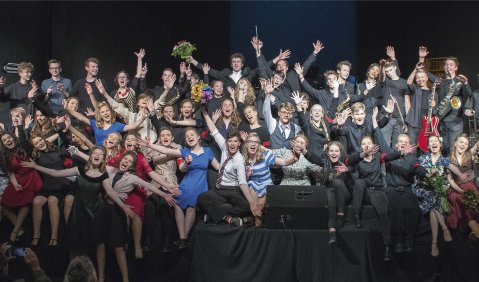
x=297, y=173
x=428, y=199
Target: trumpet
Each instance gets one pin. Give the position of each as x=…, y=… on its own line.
x=456, y=103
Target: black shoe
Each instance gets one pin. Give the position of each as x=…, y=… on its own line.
x=183, y=244
x=409, y=245
x=339, y=221
x=398, y=247
x=387, y=253
x=238, y=221
x=332, y=237
x=357, y=221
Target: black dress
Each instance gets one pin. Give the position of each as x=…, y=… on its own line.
x=58, y=187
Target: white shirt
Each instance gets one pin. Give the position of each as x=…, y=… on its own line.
x=235, y=76
x=234, y=173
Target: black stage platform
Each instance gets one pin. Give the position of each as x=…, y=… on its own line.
x=225, y=253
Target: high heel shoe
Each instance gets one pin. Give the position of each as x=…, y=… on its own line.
x=434, y=250
x=53, y=242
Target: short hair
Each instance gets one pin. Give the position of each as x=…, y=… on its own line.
x=195, y=76
x=357, y=107
x=118, y=74
x=328, y=73
x=287, y=106
x=280, y=74
x=25, y=66
x=216, y=81
x=285, y=61
x=237, y=55
x=454, y=59
x=165, y=128
x=54, y=61
x=168, y=69
x=390, y=64
x=304, y=137
x=404, y=135
x=92, y=60
x=232, y=134
x=18, y=110
x=344, y=63
x=81, y=269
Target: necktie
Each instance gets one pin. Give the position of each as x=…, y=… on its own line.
x=283, y=131
x=220, y=173
x=116, y=178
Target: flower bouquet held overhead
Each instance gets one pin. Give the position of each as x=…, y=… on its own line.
x=183, y=50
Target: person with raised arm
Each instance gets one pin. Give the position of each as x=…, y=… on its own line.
x=85, y=230
x=196, y=160
x=231, y=186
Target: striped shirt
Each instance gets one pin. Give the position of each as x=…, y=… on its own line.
x=261, y=176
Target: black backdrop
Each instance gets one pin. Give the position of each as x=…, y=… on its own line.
x=111, y=31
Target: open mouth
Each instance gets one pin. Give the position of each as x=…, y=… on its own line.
x=130, y=146
x=123, y=167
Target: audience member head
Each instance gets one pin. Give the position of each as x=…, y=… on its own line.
x=285, y=112
x=335, y=151
x=253, y=148
x=435, y=144
x=330, y=76
x=72, y=104
x=367, y=142
x=460, y=148
x=316, y=112
x=421, y=78
x=127, y=163
x=278, y=78
x=142, y=101
x=251, y=114
x=104, y=115
x=54, y=67
x=192, y=137
x=17, y=116
x=305, y=103
x=112, y=141
x=344, y=68
x=25, y=70
x=166, y=75
x=233, y=141
x=121, y=79
x=186, y=108
x=451, y=64
x=244, y=85
x=129, y=141
x=96, y=159
x=237, y=61
x=92, y=66
x=358, y=113
x=165, y=136
x=218, y=88
x=282, y=66
x=81, y=269
x=373, y=71
x=40, y=145
x=391, y=70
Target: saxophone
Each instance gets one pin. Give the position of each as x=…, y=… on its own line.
x=344, y=104
x=449, y=102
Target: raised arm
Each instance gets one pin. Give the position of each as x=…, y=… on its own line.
x=139, y=62
x=89, y=90
x=159, y=148
x=209, y=122
x=318, y=46
x=133, y=126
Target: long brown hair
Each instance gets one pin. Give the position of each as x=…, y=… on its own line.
x=102, y=167
x=467, y=158
x=249, y=98
x=135, y=159
x=44, y=130
x=7, y=155
x=36, y=153
x=235, y=116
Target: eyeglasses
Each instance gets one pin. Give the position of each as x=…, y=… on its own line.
x=286, y=113
x=252, y=142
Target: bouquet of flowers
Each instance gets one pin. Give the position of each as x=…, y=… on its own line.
x=183, y=50
x=438, y=183
x=201, y=93
x=470, y=199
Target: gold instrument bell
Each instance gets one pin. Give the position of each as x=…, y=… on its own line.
x=455, y=102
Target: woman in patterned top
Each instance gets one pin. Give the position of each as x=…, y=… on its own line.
x=258, y=160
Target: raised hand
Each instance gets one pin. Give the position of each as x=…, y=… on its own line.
x=216, y=115
x=144, y=70
x=382, y=62
x=257, y=44
x=88, y=88
x=463, y=78
x=3, y=80
x=375, y=113
x=423, y=52
x=49, y=90
x=390, y=107
x=244, y=135
x=262, y=82
x=391, y=53
x=100, y=87
x=298, y=99
x=140, y=53
x=170, y=200
x=32, y=91
x=182, y=67
x=371, y=151
x=284, y=55
x=318, y=46
x=142, y=142
x=171, y=82
x=335, y=83
x=298, y=69
x=206, y=68
x=370, y=84
x=89, y=112
x=340, y=168
x=409, y=149
x=231, y=91
x=419, y=65
x=150, y=106
x=268, y=88
x=28, y=121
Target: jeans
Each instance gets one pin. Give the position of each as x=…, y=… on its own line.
x=392, y=130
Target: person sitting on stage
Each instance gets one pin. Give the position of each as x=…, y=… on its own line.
x=258, y=160
x=429, y=197
x=369, y=187
x=231, y=200
x=464, y=160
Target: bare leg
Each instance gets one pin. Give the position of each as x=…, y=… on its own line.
x=434, y=230
x=68, y=206
x=189, y=220
x=445, y=230
x=137, y=228
x=474, y=227
x=10, y=214
x=258, y=221
x=122, y=264
x=180, y=222
x=54, y=219
x=37, y=215
x=100, y=260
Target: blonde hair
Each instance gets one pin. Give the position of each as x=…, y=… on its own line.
x=20, y=111
x=25, y=66
x=99, y=120
x=259, y=153
x=114, y=151
x=250, y=97
x=357, y=107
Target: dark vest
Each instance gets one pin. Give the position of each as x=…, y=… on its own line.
x=277, y=139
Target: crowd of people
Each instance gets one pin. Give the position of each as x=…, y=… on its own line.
x=117, y=160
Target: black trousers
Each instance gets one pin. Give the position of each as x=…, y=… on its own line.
x=338, y=195
x=376, y=197
x=403, y=211
x=224, y=201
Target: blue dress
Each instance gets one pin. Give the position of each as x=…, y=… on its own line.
x=195, y=181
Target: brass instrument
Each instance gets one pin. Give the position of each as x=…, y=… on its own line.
x=450, y=101
x=344, y=104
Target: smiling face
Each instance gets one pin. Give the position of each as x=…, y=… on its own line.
x=358, y=116
x=251, y=115
x=252, y=145
x=97, y=157
x=130, y=143
x=344, y=71
x=186, y=109
x=300, y=143
x=434, y=144
x=39, y=144
x=25, y=74
x=167, y=74
x=334, y=153
x=277, y=80
x=461, y=145
x=122, y=79
x=285, y=115
x=233, y=145
x=366, y=143
x=421, y=79
x=41, y=119
x=76, y=141
x=243, y=84
x=72, y=105
x=168, y=111
x=17, y=118
x=55, y=69
x=402, y=142
x=236, y=63
x=105, y=113
x=92, y=69
x=192, y=138
x=8, y=141
x=450, y=66
x=143, y=102
x=316, y=113
x=112, y=140
x=218, y=88
x=373, y=73
x=166, y=137
x=126, y=163
x=227, y=108
x=329, y=80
